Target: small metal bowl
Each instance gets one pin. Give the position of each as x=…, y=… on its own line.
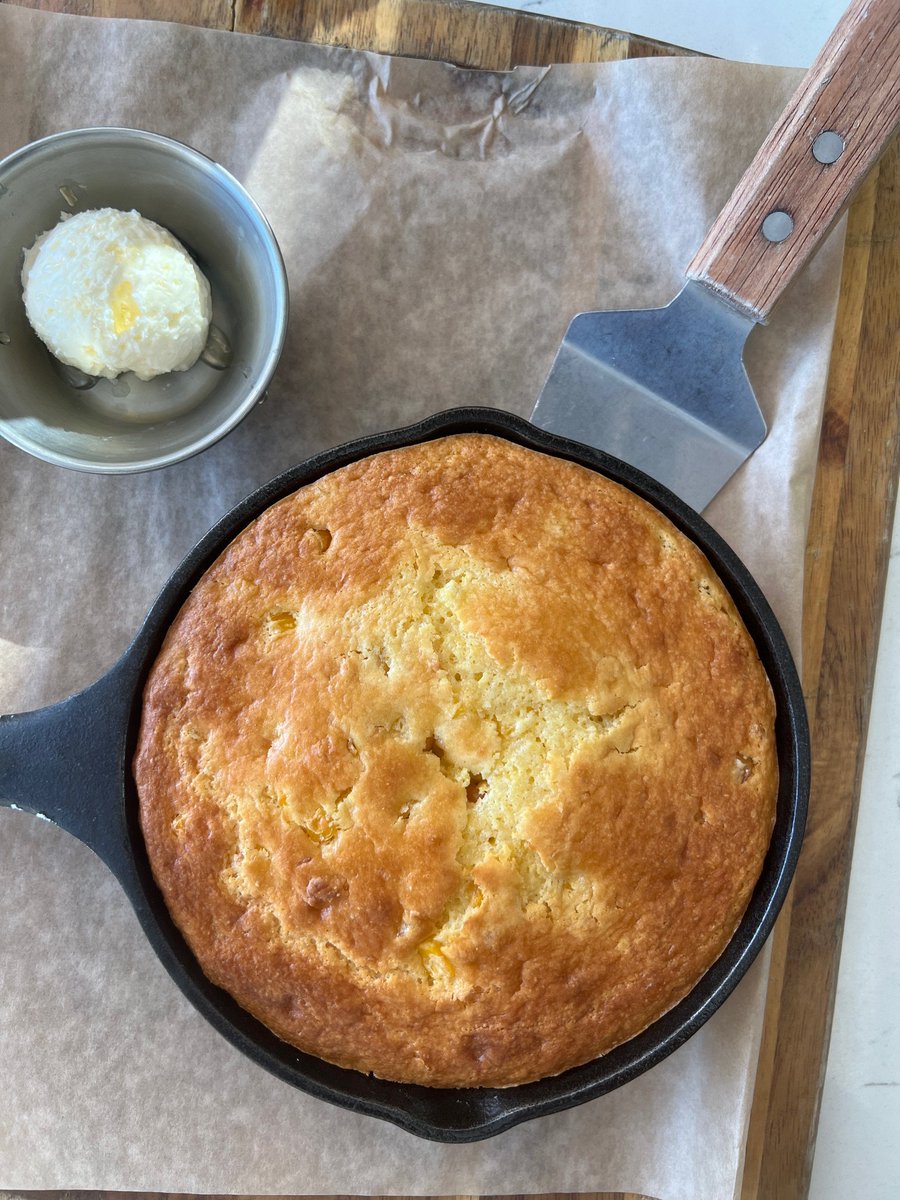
x=122, y=425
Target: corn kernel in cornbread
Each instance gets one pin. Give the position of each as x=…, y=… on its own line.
x=458, y=765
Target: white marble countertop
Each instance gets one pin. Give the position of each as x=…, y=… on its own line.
x=858, y=1147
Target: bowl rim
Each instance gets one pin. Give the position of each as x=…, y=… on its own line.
x=255, y=392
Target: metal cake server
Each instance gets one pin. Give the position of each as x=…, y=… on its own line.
x=665, y=389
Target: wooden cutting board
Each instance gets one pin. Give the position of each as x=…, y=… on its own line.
x=849, y=537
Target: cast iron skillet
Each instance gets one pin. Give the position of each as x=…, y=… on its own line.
x=71, y=764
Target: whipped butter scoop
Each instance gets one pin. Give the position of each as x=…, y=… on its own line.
x=110, y=291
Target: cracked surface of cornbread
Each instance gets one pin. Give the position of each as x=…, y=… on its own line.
x=458, y=766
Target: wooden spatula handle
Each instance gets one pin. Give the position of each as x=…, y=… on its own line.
x=852, y=91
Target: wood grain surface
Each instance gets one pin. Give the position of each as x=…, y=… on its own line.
x=847, y=549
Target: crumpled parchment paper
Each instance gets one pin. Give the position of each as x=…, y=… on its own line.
x=440, y=228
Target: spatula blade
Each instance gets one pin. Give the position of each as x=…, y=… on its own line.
x=664, y=389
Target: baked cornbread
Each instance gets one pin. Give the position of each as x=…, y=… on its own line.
x=458, y=765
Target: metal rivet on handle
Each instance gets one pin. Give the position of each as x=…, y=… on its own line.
x=828, y=147
x=777, y=226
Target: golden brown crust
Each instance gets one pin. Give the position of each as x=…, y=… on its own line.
x=458, y=766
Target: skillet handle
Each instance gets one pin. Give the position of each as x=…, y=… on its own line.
x=66, y=764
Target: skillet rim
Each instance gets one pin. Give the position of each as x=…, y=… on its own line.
x=471, y=1114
